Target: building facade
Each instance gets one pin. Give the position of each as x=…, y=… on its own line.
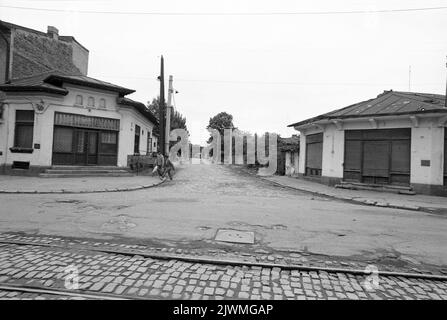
x=395, y=139
x=58, y=119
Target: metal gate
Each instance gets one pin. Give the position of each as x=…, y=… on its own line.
x=380, y=156
x=314, y=154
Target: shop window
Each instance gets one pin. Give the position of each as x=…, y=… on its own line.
x=91, y=102
x=109, y=143
x=63, y=140
x=102, y=103
x=79, y=100
x=24, y=128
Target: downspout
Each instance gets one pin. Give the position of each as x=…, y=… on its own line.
x=8, y=53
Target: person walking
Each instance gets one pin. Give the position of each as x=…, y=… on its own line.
x=169, y=168
x=160, y=164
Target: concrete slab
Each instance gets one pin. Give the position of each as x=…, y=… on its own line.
x=235, y=236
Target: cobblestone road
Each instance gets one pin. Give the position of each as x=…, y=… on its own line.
x=138, y=277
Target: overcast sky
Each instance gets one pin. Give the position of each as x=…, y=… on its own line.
x=268, y=71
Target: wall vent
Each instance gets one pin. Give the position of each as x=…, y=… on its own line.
x=20, y=165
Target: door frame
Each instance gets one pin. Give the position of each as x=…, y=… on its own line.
x=86, y=145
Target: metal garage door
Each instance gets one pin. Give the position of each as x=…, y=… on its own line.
x=379, y=156
x=314, y=154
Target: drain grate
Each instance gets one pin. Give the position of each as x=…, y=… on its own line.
x=235, y=236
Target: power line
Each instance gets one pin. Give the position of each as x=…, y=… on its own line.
x=153, y=13
x=293, y=83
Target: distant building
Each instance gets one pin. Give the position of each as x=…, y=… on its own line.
x=25, y=52
x=288, y=153
x=395, y=139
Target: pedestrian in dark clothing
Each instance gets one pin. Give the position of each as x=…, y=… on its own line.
x=160, y=165
x=169, y=168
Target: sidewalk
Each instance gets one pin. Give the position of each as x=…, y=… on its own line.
x=424, y=203
x=37, y=185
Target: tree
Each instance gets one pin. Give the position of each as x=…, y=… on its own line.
x=178, y=121
x=220, y=122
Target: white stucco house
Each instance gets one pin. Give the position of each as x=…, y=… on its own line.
x=395, y=139
x=59, y=119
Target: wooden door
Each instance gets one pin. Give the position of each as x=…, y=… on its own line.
x=376, y=161
x=314, y=154
x=80, y=147
x=92, y=148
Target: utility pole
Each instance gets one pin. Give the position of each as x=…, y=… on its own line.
x=445, y=98
x=161, y=109
x=168, y=114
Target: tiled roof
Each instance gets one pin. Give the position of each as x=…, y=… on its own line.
x=386, y=104
x=140, y=107
x=51, y=81
x=33, y=83
x=87, y=81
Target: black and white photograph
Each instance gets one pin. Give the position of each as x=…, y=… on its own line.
x=224, y=159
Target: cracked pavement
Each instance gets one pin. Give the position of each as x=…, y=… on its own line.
x=203, y=199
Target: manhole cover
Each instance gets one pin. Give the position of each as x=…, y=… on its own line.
x=235, y=236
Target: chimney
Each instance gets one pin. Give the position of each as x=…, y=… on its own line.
x=53, y=32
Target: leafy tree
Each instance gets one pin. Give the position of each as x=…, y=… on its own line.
x=178, y=121
x=220, y=122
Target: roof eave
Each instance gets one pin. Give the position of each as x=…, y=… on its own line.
x=33, y=89
x=120, y=90
x=311, y=122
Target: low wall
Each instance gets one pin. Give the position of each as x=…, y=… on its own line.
x=140, y=162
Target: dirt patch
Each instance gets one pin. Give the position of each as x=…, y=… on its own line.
x=269, y=227
x=176, y=200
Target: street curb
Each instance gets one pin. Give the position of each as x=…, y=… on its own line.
x=209, y=260
x=63, y=191
x=364, y=202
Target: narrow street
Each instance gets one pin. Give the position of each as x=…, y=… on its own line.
x=189, y=211
x=160, y=243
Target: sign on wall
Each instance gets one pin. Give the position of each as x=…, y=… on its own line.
x=81, y=121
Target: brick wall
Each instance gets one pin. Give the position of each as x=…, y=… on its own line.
x=34, y=53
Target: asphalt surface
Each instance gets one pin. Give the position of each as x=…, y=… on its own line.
x=203, y=199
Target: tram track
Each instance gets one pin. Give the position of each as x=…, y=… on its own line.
x=208, y=260
x=40, y=290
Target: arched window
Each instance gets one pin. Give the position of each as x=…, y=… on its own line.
x=91, y=102
x=102, y=103
x=79, y=100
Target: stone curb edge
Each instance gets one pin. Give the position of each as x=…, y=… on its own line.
x=63, y=191
x=354, y=200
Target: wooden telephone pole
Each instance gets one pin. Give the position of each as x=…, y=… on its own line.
x=161, y=110
x=168, y=114
x=445, y=84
